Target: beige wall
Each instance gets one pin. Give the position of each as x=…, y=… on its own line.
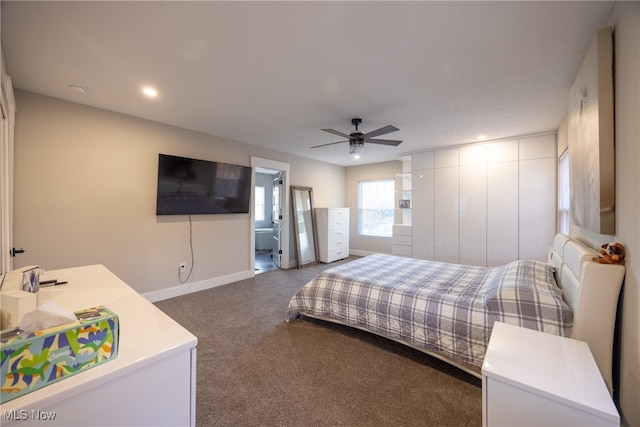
x=362, y=245
x=85, y=185
x=625, y=19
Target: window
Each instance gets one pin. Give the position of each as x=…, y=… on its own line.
x=376, y=207
x=259, y=203
x=563, y=193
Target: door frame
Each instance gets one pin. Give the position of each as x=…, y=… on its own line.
x=258, y=162
x=276, y=234
x=7, y=116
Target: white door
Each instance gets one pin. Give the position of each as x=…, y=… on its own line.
x=502, y=202
x=446, y=205
x=472, y=226
x=537, y=196
x=276, y=219
x=423, y=213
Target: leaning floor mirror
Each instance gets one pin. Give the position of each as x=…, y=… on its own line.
x=304, y=225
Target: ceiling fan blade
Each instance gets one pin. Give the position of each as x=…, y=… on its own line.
x=335, y=132
x=381, y=131
x=393, y=142
x=331, y=143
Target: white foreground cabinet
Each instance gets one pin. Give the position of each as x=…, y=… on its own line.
x=152, y=382
x=531, y=378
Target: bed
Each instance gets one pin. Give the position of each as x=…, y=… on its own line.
x=448, y=310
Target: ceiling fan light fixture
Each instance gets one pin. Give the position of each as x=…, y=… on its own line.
x=356, y=147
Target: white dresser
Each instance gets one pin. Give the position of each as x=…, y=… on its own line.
x=531, y=378
x=152, y=381
x=333, y=233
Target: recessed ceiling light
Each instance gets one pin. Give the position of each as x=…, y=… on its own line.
x=150, y=92
x=356, y=156
x=482, y=137
x=77, y=88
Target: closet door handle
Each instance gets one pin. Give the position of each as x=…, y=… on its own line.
x=13, y=251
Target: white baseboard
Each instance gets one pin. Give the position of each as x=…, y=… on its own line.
x=188, y=288
x=359, y=253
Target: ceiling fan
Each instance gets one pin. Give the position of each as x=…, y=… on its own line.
x=357, y=138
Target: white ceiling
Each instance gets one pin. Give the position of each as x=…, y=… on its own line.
x=273, y=74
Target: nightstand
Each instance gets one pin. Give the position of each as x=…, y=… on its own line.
x=531, y=378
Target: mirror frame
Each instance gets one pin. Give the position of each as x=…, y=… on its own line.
x=311, y=225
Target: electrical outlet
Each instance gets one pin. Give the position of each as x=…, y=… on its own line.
x=182, y=267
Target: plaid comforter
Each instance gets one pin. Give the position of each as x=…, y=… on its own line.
x=447, y=308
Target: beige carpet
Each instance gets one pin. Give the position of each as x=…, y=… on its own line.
x=254, y=369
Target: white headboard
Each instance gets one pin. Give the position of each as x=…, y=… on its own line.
x=592, y=291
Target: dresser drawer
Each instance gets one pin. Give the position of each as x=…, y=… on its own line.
x=401, y=240
x=337, y=254
x=333, y=245
x=338, y=234
x=338, y=224
x=401, y=250
x=339, y=214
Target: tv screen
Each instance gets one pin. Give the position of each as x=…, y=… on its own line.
x=189, y=186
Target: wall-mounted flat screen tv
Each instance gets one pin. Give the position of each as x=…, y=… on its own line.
x=189, y=186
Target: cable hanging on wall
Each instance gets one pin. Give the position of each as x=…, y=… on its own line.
x=191, y=254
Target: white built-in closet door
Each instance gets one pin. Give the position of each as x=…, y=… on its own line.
x=537, y=196
x=446, y=206
x=472, y=244
x=502, y=202
x=422, y=226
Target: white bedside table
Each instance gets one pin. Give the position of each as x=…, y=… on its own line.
x=530, y=378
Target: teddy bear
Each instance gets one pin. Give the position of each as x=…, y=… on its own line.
x=610, y=253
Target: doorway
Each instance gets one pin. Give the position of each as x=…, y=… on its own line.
x=270, y=248
x=268, y=220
